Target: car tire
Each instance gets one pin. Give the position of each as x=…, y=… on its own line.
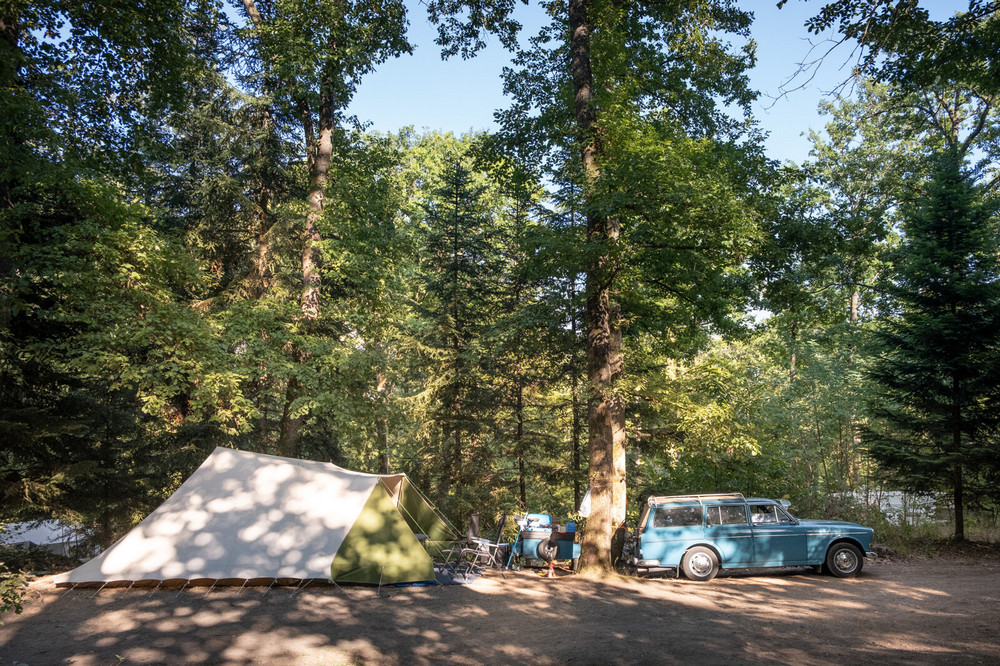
x=844, y=560
x=547, y=550
x=700, y=564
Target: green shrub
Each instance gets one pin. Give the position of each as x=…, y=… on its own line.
x=11, y=586
x=35, y=559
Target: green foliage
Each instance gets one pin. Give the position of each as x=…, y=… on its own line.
x=694, y=429
x=901, y=43
x=11, y=587
x=35, y=559
x=317, y=53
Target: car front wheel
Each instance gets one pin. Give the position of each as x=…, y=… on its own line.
x=700, y=564
x=844, y=560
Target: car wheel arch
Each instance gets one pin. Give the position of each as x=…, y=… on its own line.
x=702, y=544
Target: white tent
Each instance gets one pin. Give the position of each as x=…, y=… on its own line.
x=246, y=516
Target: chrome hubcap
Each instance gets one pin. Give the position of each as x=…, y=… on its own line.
x=845, y=560
x=701, y=564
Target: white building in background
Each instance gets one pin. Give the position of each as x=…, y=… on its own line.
x=49, y=534
x=900, y=507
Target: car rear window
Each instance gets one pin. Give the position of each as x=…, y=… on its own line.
x=725, y=515
x=676, y=516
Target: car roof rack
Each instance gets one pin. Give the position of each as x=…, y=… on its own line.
x=665, y=499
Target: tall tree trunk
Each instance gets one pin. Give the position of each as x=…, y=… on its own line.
x=319, y=151
x=958, y=480
x=604, y=412
x=793, y=349
x=575, y=399
x=291, y=426
x=382, y=434
x=618, y=490
x=380, y=407
x=519, y=437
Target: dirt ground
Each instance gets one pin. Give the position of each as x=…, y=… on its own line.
x=916, y=612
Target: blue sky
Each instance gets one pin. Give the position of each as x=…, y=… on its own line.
x=459, y=96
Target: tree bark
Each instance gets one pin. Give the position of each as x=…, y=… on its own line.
x=604, y=413
x=575, y=397
x=319, y=151
x=958, y=480
x=291, y=426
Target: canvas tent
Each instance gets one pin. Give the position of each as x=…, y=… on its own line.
x=250, y=517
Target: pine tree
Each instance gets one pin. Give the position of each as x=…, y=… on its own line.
x=936, y=363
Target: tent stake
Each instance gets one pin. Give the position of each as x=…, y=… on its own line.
x=241, y=587
x=301, y=586
x=273, y=581
x=155, y=589
x=99, y=590
x=213, y=586
x=182, y=589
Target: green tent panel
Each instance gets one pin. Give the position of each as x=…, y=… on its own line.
x=381, y=547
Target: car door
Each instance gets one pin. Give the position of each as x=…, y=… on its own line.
x=669, y=532
x=726, y=526
x=778, y=539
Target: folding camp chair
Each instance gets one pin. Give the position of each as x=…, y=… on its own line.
x=483, y=552
x=454, y=553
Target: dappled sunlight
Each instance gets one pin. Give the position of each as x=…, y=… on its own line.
x=788, y=617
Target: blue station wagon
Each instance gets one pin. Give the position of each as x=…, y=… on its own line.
x=700, y=534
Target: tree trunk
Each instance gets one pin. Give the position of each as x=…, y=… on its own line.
x=958, y=481
x=958, y=495
x=604, y=412
x=319, y=150
x=382, y=434
x=618, y=490
x=575, y=398
x=519, y=437
x=291, y=427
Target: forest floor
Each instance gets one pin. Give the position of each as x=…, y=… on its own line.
x=918, y=611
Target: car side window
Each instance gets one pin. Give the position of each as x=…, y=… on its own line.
x=767, y=513
x=676, y=516
x=727, y=514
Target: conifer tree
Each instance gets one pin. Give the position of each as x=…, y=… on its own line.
x=936, y=352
